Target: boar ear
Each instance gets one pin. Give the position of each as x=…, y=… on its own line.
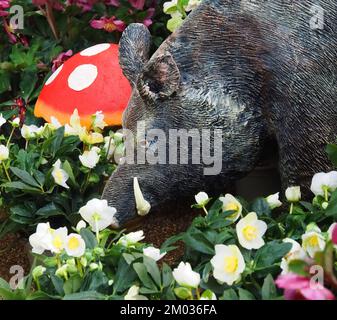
x=134, y=48
x=161, y=77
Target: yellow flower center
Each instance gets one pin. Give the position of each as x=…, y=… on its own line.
x=109, y=27
x=313, y=241
x=58, y=176
x=73, y=243
x=231, y=264
x=250, y=232
x=232, y=206
x=57, y=242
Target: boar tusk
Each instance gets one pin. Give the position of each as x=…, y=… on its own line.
x=143, y=206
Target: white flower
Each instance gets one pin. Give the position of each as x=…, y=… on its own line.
x=2, y=120
x=31, y=132
x=143, y=206
x=90, y=158
x=80, y=225
x=274, y=201
x=109, y=146
x=16, y=122
x=60, y=176
x=296, y=253
x=169, y=5
x=313, y=241
x=153, y=253
x=293, y=194
x=4, y=153
x=70, y=131
x=54, y=123
x=202, y=198
x=75, y=245
x=98, y=120
x=228, y=264
x=133, y=294
x=185, y=276
x=59, y=239
x=231, y=203
x=322, y=182
x=131, y=238
x=192, y=4
x=98, y=214
x=41, y=239
x=250, y=231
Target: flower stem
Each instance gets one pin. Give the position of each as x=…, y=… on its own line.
x=96, y=230
x=79, y=266
x=205, y=210
x=197, y=293
x=291, y=208
x=326, y=194
x=7, y=174
x=10, y=137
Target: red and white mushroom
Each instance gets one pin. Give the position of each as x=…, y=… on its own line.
x=90, y=81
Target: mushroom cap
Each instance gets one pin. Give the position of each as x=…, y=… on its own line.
x=90, y=81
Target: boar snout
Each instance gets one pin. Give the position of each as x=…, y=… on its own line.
x=120, y=191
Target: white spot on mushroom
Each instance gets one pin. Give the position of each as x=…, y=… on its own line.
x=98, y=48
x=82, y=77
x=54, y=75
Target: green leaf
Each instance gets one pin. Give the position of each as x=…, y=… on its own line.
x=271, y=253
x=245, y=295
x=59, y=135
x=269, y=291
x=68, y=169
x=331, y=150
x=73, y=284
x=261, y=207
x=299, y=267
x=58, y=284
x=28, y=82
x=20, y=186
x=22, y=210
x=25, y=177
x=49, y=210
x=124, y=277
x=230, y=294
x=89, y=238
x=85, y=295
x=153, y=270
x=332, y=207
x=167, y=275
x=143, y=276
x=197, y=241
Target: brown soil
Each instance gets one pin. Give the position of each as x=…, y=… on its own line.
x=157, y=228
x=13, y=251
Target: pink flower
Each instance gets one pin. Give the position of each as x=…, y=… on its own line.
x=137, y=4
x=60, y=59
x=55, y=3
x=85, y=5
x=299, y=288
x=114, y=3
x=108, y=24
x=148, y=19
x=4, y=4
x=334, y=235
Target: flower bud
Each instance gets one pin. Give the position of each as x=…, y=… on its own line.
x=293, y=194
x=38, y=272
x=93, y=266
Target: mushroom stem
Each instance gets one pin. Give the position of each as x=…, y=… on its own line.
x=143, y=206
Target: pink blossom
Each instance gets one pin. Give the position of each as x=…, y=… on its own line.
x=4, y=4
x=137, y=4
x=108, y=24
x=148, y=20
x=300, y=288
x=114, y=3
x=334, y=235
x=85, y=5
x=60, y=59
